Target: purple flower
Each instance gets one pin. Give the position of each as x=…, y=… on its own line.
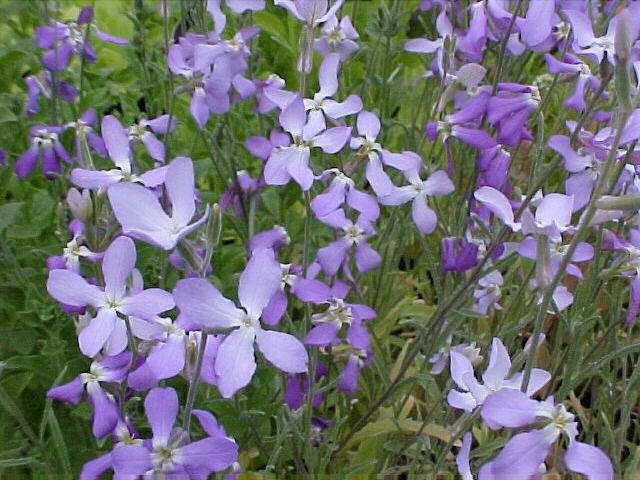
x=334, y=255
x=368, y=126
x=144, y=131
x=46, y=146
x=165, y=359
x=169, y=451
x=458, y=255
x=62, y=40
x=37, y=86
x=487, y=293
x=105, y=411
x=584, y=170
x=235, y=364
x=473, y=393
x=115, y=298
x=322, y=105
x=423, y=45
x=508, y=111
x=417, y=192
x=342, y=190
x=584, y=77
x=597, y=48
x=292, y=162
x=312, y=12
x=329, y=324
x=117, y=145
x=526, y=451
x=337, y=38
x=141, y=215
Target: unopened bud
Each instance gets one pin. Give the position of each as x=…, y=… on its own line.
x=622, y=48
x=80, y=204
x=214, y=227
x=544, y=273
x=630, y=202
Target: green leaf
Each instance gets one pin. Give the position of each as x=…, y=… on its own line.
x=275, y=27
x=8, y=213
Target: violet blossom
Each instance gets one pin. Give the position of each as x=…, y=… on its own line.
x=141, y=215
x=115, y=299
x=46, y=146
x=235, y=364
x=169, y=452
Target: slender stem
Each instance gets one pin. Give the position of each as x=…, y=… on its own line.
x=503, y=48
x=604, y=185
x=193, y=383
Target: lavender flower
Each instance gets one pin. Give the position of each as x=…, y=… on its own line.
x=105, y=411
x=115, y=298
x=235, y=365
x=62, y=40
x=513, y=409
x=169, y=452
x=141, y=215
x=45, y=144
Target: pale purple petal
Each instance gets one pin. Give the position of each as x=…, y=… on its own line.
x=588, y=461
x=147, y=304
x=202, y=303
x=322, y=334
x=117, y=264
x=284, y=351
x=509, y=408
x=116, y=140
x=332, y=139
x=520, y=458
x=92, y=337
x=424, y=218
x=161, y=407
x=131, y=460
x=499, y=364
x=235, y=361
x=212, y=454
x=70, y=288
x=180, y=188
x=258, y=282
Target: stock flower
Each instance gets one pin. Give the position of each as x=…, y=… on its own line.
x=235, y=364
x=487, y=293
x=526, y=451
x=144, y=131
x=423, y=45
x=115, y=298
x=458, y=255
x=169, y=453
x=322, y=105
x=116, y=143
x=342, y=190
x=417, y=192
x=571, y=65
x=165, y=359
x=312, y=12
x=509, y=110
x=105, y=413
x=141, y=216
x=334, y=255
x=584, y=170
x=368, y=126
x=597, y=48
x=292, y=162
x=41, y=85
x=61, y=40
x=46, y=146
x=337, y=38
x=473, y=393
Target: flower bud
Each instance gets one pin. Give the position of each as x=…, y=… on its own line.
x=623, y=202
x=80, y=204
x=622, y=47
